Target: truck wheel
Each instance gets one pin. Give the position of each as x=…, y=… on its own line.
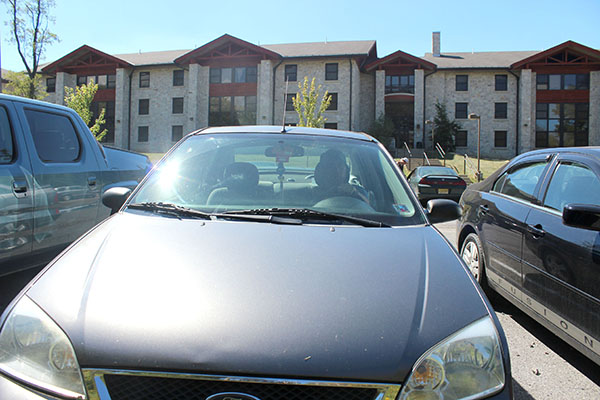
x=472, y=254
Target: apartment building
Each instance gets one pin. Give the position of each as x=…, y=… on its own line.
x=523, y=100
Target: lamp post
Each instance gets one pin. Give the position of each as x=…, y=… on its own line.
x=473, y=116
x=430, y=122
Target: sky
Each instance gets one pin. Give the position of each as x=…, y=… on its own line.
x=129, y=26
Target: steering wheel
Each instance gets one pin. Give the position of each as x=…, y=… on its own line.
x=345, y=203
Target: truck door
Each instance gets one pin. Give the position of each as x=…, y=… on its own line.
x=16, y=194
x=64, y=165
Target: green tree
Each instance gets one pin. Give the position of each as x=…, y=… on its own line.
x=445, y=128
x=19, y=84
x=306, y=104
x=80, y=99
x=383, y=129
x=28, y=25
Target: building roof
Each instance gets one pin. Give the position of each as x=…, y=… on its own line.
x=152, y=57
x=486, y=59
x=322, y=49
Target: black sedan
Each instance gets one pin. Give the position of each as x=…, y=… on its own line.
x=531, y=231
x=436, y=182
x=256, y=264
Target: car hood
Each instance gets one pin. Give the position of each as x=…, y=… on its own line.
x=148, y=292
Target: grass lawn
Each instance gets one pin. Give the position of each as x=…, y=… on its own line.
x=488, y=166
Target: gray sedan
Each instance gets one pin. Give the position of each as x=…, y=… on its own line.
x=256, y=264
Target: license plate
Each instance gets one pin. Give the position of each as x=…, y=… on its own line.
x=443, y=191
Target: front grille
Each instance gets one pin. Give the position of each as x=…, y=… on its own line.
x=136, y=385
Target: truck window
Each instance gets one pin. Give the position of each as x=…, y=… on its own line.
x=54, y=136
x=6, y=139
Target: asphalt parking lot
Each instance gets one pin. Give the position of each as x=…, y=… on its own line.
x=543, y=366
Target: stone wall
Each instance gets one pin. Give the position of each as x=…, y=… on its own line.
x=316, y=69
x=480, y=97
x=594, y=122
x=160, y=118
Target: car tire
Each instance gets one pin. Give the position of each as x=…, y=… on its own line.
x=472, y=254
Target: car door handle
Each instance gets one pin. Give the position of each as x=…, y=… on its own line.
x=91, y=180
x=536, y=230
x=20, y=186
x=484, y=209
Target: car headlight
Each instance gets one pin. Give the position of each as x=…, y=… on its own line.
x=467, y=365
x=33, y=349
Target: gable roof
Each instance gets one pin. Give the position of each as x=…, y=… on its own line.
x=209, y=49
x=403, y=58
x=592, y=56
x=79, y=54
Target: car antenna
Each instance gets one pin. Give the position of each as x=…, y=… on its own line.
x=287, y=81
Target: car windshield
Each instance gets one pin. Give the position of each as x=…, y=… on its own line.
x=268, y=173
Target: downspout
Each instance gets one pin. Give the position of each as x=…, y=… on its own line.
x=350, y=113
x=273, y=99
x=129, y=114
x=517, y=125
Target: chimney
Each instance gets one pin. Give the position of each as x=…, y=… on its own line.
x=435, y=45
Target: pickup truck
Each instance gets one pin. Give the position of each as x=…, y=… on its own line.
x=52, y=176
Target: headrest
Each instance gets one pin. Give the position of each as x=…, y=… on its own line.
x=332, y=169
x=241, y=176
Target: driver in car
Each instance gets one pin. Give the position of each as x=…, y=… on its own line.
x=332, y=175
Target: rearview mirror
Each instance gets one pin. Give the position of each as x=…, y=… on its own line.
x=586, y=216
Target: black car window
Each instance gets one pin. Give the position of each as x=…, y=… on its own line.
x=520, y=182
x=6, y=140
x=572, y=183
x=54, y=136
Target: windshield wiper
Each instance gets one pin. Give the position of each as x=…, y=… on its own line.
x=179, y=211
x=307, y=213
x=169, y=209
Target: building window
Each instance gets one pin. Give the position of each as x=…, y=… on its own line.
x=500, y=110
x=111, y=81
x=176, y=133
x=499, y=138
x=50, y=85
x=232, y=110
x=461, y=110
x=142, y=133
x=144, y=107
x=291, y=73
x=144, y=79
x=289, y=102
x=559, y=125
x=177, y=105
x=460, y=140
x=501, y=83
x=233, y=75
x=399, y=84
x=333, y=104
x=462, y=83
x=330, y=125
x=563, y=81
x=215, y=75
x=331, y=72
x=81, y=80
x=178, y=77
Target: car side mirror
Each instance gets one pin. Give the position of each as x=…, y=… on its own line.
x=586, y=216
x=442, y=210
x=115, y=197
